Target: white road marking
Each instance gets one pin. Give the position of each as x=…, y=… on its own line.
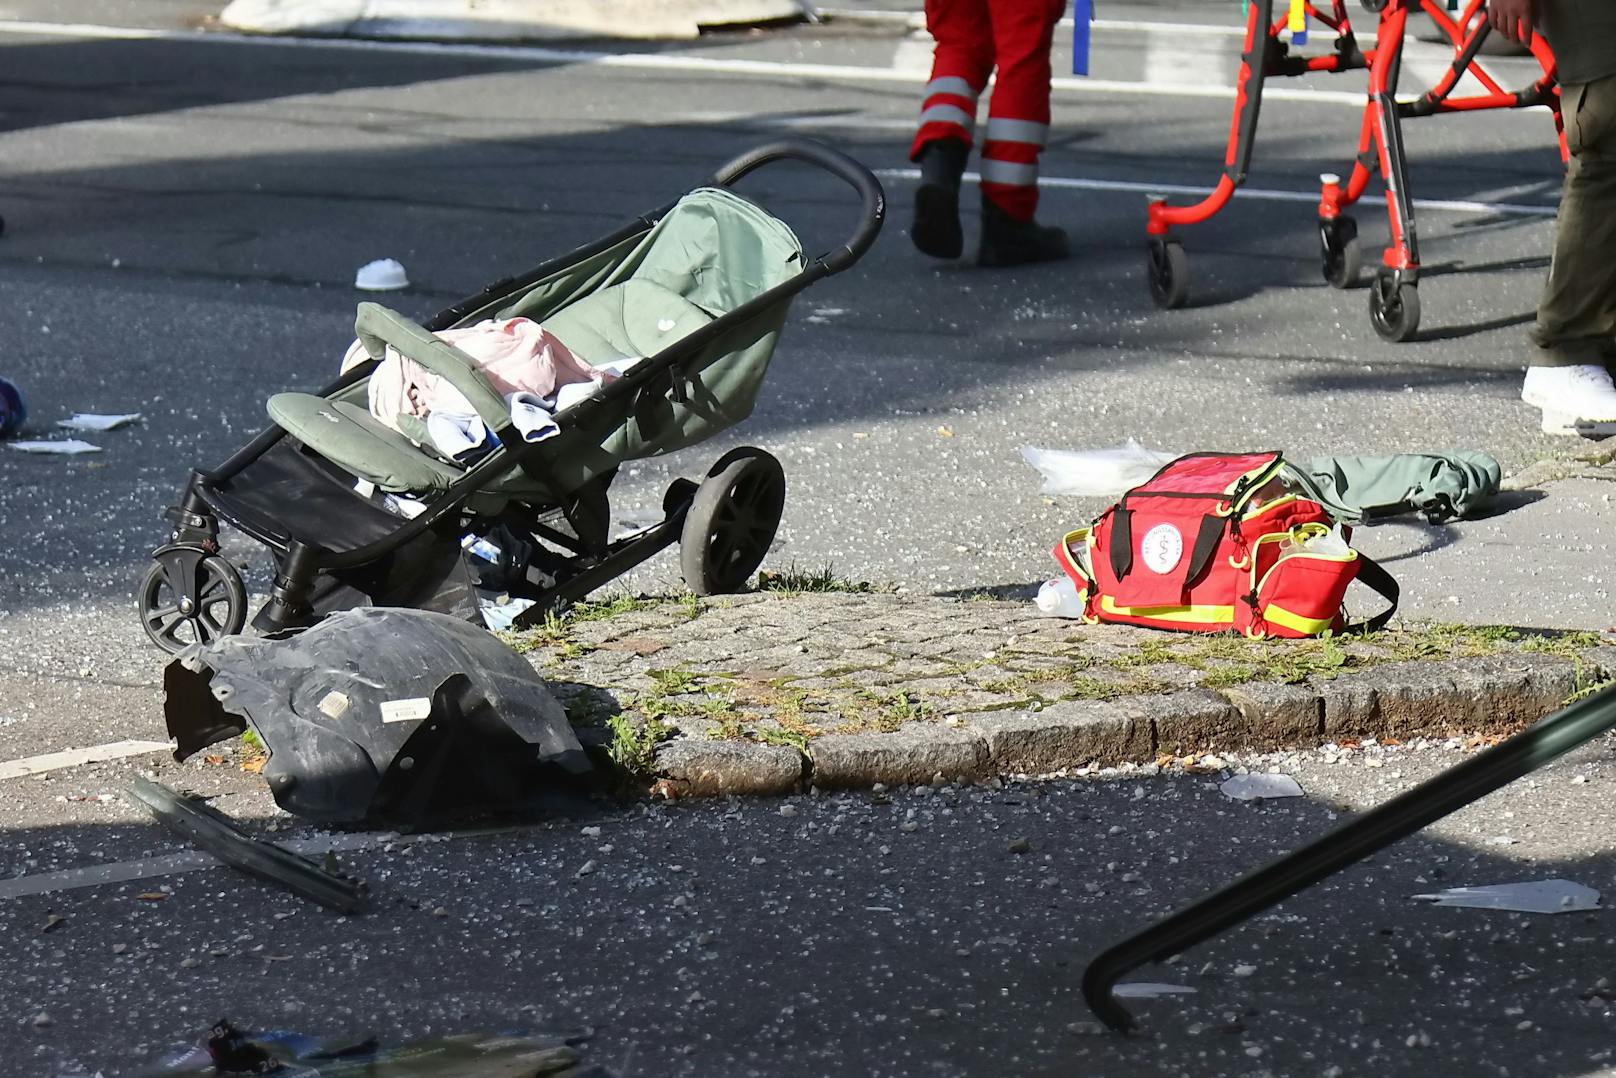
x=914, y=54
x=44, y=883
x=1170, y=61
x=55, y=761
x=1079, y=183
x=646, y=61
x=918, y=21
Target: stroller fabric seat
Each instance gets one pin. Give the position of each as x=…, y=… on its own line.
x=631, y=319
x=349, y=436
x=635, y=318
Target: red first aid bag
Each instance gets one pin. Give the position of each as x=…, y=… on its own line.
x=1214, y=542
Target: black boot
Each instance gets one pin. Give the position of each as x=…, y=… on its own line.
x=1009, y=242
x=936, y=230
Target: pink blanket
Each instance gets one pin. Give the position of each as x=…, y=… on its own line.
x=515, y=355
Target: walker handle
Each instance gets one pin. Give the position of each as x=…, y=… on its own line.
x=874, y=203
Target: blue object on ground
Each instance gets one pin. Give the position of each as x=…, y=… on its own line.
x=13, y=410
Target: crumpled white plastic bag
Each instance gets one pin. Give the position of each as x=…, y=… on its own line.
x=1096, y=473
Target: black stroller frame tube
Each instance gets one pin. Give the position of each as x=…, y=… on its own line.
x=1398, y=818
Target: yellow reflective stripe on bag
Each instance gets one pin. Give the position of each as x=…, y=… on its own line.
x=1278, y=615
x=1201, y=615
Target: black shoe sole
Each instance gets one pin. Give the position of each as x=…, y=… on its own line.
x=999, y=258
x=936, y=230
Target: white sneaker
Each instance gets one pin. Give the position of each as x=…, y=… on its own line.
x=1578, y=400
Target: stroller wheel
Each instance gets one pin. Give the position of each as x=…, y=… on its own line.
x=1343, y=257
x=1394, y=309
x=1168, y=273
x=731, y=521
x=190, y=597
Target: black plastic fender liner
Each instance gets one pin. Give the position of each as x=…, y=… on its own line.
x=379, y=714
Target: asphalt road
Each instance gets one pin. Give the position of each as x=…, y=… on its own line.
x=184, y=219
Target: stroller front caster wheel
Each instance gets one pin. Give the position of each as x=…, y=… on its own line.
x=1168, y=274
x=1394, y=309
x=190, y=597
x=1343, y=257
x=731, y=521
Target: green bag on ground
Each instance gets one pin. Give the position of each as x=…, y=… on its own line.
x=1442, y=486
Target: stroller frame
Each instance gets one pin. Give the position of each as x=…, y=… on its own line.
x=1394, y=307
x=200, y=579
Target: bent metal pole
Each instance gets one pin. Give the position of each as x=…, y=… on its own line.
x=1456, y=787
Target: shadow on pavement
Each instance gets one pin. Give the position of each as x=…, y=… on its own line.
x=725, y=939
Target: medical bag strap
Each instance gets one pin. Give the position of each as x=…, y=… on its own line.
x=1207, y=541
x=1377, y=579
x=1121, y=542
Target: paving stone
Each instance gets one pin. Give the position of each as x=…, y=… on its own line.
x=1352, y=706
x=1064, y=735
x=845, y=654
x=1419, y=698
x=1187, y=722
x=1274, y=716
x=1510, y=691
x=912, y=754
x=706, y=767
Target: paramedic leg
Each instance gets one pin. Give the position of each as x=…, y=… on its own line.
x=960, y=69
x=1575, y=335
x=1018, y=127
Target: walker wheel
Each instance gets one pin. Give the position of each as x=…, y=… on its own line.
x=1168, y=273
x=1343, y=258
x=188, y=597
x=1394, y=309
x=731, y=521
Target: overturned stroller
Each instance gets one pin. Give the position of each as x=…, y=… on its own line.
x=699, y=288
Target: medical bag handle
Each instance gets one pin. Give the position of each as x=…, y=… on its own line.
x=873, y=210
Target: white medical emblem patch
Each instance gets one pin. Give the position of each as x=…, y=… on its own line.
x=1161, y=548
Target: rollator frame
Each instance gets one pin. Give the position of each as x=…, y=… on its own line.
x=1394, y=306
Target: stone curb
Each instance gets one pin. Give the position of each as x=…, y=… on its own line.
x=760, y=643
x=501, y=20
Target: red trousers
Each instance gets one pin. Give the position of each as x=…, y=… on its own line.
x=974, y=39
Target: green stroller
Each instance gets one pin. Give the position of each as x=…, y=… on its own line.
x=700, y=288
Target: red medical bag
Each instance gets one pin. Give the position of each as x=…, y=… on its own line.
x=1214, y=542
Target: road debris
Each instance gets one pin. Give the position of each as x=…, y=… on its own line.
x=93, y=421
x=216, y=833
x=382, y=275
x=1260, y=787
x=437, y=717
x=66, y=447
x=1530, y=896
x=1095, y=473
x=1150, y=990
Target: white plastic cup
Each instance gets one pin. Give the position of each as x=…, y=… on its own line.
x=1058, y=598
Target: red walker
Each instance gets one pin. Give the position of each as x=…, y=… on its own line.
x=1394, y=301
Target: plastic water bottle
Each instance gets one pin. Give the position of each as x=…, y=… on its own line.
x=12, y=409
x=1058, y=598
x=482, y=548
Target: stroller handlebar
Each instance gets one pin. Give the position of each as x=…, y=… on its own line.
x=862, y=180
